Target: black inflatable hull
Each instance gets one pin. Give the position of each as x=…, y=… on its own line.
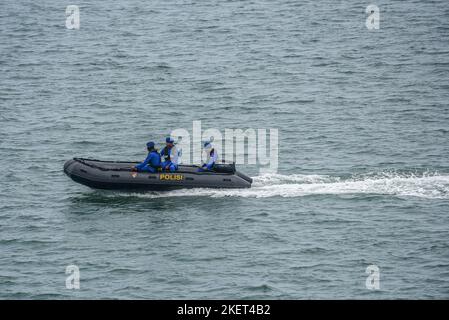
x=112, y=175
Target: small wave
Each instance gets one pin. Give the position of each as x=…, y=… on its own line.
x=430, y=186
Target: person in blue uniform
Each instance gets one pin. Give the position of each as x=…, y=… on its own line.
x=211, y=157
x=152, y=162
x=170, y=155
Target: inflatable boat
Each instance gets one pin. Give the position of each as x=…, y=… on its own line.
x=117, y=175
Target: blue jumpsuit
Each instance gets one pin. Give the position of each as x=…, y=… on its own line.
x=171, y=158
x=151, y=163
x=213, y=156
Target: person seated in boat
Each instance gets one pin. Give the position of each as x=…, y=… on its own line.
x=211, y=157
x=152, y=162
x=170, y=155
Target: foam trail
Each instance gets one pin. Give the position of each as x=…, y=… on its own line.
x=276, y=185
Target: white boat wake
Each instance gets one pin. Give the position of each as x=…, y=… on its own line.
x=430, y=186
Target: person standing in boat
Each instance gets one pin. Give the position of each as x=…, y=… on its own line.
x=170, y=155
x=152, y=162
x=211, y=157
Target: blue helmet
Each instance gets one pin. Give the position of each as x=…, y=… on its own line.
x=207, y=145
x=169, y=140
x=150, y=145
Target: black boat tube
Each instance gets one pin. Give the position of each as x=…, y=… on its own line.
x=117, y=175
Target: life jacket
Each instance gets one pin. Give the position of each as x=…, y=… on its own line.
x=210, y=154
x=166, y=152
